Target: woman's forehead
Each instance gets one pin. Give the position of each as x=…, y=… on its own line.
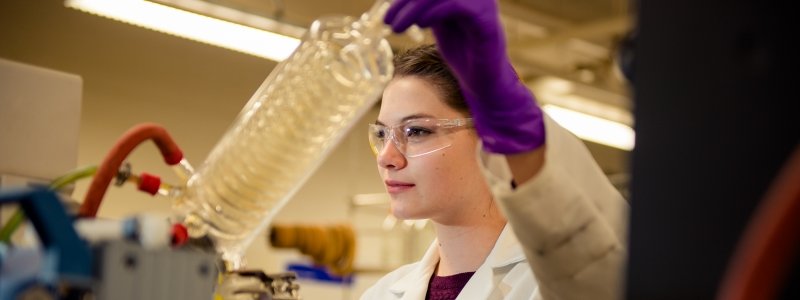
x=412, y=96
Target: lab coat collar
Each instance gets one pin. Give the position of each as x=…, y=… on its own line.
x=506, y=251
x=414, y=285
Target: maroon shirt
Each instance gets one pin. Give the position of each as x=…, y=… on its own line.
x=447, y=287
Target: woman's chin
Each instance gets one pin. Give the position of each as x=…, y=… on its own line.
x=404, y=213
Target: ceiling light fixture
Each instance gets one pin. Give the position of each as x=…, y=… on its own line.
x=592, y=128
x=192, y=26
x=591, y=114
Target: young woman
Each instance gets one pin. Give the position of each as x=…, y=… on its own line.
x=520, y=208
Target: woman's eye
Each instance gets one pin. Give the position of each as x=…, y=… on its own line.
x=380, y=133
x=417, y=132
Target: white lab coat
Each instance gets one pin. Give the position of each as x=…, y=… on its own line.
x=569, y=226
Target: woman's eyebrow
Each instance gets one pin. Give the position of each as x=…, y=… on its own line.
x=409, y=117
x=417, y=116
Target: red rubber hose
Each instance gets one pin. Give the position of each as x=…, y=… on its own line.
x=113, y=160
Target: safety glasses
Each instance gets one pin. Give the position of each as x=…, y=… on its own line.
x=416, y=137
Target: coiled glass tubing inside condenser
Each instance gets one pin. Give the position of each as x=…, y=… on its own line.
x=295, y=118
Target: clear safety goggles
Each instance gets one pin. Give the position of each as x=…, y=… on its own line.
x=416, y=137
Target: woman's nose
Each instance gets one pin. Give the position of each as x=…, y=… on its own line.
x=390, y=156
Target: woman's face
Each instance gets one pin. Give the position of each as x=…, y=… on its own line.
x=444, y=185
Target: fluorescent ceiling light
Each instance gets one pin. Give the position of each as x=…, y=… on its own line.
x=207, y=8
x=582, y=98
x=593, y=128
x=590, y=113
x=192, y=26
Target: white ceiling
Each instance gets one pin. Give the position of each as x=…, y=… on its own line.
x=572, y=39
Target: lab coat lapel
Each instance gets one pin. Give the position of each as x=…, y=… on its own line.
x=484, y=283
x=414, y=285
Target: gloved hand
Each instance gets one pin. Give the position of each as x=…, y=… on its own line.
x=470, y=38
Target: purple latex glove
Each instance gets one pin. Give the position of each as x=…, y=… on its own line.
x=470, y=38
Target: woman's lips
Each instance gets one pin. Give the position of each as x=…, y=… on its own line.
x=394, y=187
